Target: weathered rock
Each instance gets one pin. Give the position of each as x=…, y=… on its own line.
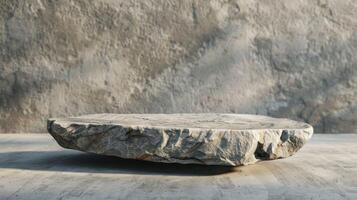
x=211, y=139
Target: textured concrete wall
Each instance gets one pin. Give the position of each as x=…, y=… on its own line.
x=295, y=59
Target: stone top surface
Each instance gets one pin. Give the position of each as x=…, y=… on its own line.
x=190, y=121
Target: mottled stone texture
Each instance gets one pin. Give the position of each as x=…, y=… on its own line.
x=210, y=139
x=294, y=59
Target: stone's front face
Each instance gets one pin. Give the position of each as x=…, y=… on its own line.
x=210, y=139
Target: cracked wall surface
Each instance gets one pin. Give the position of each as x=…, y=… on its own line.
x=294, y=59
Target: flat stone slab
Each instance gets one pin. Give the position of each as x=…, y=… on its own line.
x=210, y=139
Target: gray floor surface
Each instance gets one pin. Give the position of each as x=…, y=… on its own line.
x=34, y=167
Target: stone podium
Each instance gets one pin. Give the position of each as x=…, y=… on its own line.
x=207, y=138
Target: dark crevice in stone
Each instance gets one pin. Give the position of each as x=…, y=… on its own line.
x=284, y=136
x=260, y=153
x=49, y=125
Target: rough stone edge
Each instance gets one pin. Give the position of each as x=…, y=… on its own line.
x=265, y=145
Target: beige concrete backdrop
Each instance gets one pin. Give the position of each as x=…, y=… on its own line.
x=295, y=59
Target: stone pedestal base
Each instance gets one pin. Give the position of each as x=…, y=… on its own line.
x=209, y=139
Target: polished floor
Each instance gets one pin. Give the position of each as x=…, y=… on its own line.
x=34, y=167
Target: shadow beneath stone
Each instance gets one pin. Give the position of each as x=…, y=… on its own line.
x=72, y=161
